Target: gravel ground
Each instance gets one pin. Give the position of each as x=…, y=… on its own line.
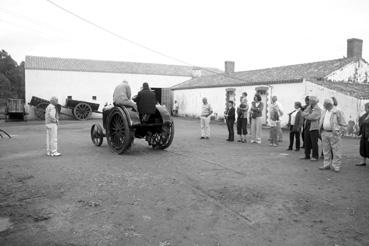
x=197, y=192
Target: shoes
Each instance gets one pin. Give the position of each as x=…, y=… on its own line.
x=313, y=159
x=240, y=141
x=275, y=145
x=55, y=154
x=289, y=149
x=258, y=142
x=337, y=170
x=252, y=141
x=297, y=149
x=202, y=138
x=48, y=153
x=244, y=141
x=304, y=158
x=361, y=164
x=206, y=137
x=324, y=168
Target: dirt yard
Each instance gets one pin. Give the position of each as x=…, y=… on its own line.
x=197, y=192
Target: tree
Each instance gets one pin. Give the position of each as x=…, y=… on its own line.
x=14, y=74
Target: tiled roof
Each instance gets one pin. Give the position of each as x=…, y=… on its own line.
x=357, y=90
x=83, y=65
x=284, y=74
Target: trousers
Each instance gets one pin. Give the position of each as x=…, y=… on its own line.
x=311, y=143
x=205, y=126
x=256, y=129
x=51, y=138
x=294, y=135
x=332, y=150
x=230, y=126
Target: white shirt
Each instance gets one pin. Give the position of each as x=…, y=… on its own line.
x=327, y=121
x=293, y=117
x=50, y=114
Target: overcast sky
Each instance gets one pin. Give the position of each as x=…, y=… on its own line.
x=255, y=34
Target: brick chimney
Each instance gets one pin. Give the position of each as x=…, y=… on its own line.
x=196, y=72
x=229, y=67
x=354, y=48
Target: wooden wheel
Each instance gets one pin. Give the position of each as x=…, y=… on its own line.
x=97, y=134
x=118, y=134
x=40, y=110
x=82, y=111
x=164, y=138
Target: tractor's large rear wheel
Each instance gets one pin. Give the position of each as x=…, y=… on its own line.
x=118, y=134
x=163, y=138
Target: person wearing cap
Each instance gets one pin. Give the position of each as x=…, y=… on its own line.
x=312, y=116
x=122, y=95
x=332, y=125
x=230, y=118
x=206, y=111
x=51, y=123
x=146, y=102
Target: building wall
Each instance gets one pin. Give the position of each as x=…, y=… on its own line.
x=351, y=106
x=84, y=85
x=190, y=100
x=355, y=72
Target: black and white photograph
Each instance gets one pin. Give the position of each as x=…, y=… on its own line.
x=184, y=123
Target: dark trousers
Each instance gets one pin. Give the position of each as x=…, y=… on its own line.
x=230, y=126
x=311, y=143
x=294, y=135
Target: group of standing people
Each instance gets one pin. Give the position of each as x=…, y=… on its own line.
x=309, y=122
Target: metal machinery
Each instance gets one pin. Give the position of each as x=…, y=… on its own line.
x=121, y=125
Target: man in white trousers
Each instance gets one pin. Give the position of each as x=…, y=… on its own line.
x=206, y=111
x=51, y=123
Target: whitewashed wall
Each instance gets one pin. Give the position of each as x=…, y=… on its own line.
x=351, y=106
x=355, y=71
x=84, y=85
x=190, y=100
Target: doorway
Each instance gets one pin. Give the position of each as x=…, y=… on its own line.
x=263, y=92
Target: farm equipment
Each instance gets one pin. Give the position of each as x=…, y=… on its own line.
x=81, y=110
x=14, y=109
x=122, y=124
x=3, y=132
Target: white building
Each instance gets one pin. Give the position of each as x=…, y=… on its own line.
x=94, y=80
x=347, y=79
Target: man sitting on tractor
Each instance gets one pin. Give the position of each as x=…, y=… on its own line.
x=146, y=101
x=122, y=95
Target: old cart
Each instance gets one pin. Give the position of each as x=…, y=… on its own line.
x=121, y=125
x=14, y=109
x=81, y=110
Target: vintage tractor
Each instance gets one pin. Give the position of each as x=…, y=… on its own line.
x=122, y=124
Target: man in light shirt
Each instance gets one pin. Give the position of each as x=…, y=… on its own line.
x=122, y=95
x=206, y=111
x=332, y=125
x=51, y=123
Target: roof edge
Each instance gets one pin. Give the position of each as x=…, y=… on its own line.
x=291, y=81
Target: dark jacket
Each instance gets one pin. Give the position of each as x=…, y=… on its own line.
x=231, y=114
x=146, y=101
x=364, y=126
x=256, y=111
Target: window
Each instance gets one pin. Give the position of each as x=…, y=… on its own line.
x=93, y=97
x=69, y=97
